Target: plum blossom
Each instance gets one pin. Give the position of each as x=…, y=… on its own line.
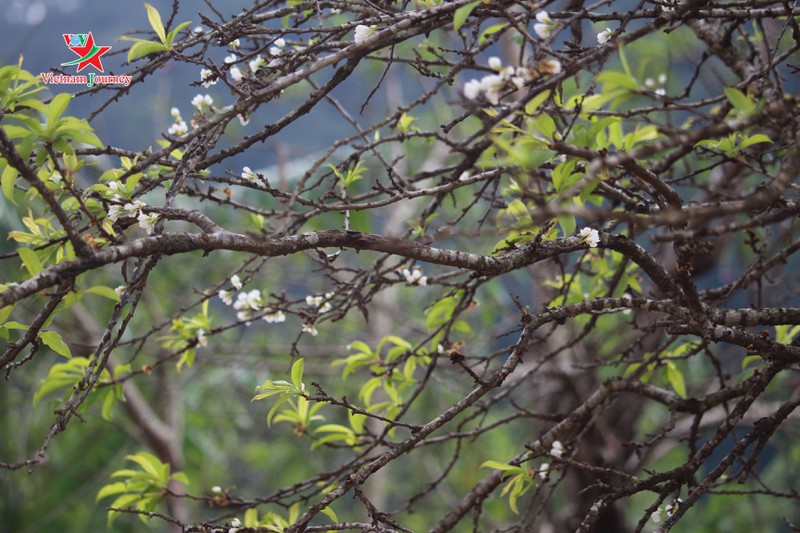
x=202, y=340
x=207, y=77
x=256, y=63
x=226, y=297
x=231, y=58
x=178, y=129
x=550, y=66
x=495, y=63
x=274, y=317
x=310, y=329
x=248, y=300
x=248, y=174
x=472, y=89
x=130, y=208
x=557, y=450
x=236, y=74
x=544, y=471
x=362, y=32
x=236, y=282
x=604, y=36
x=544, y=25
x=120, y=290
x=590, y=236
x=234, y=43
x=667, y=511
x=415, y=277
x=147, y=221
x=202, y=102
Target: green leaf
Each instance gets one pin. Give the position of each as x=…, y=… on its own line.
x=497, y=465
x=30, y=260
x=142, y=48
x=54, y=341
x=740, y=101
x=171, y=35
x=7, y=181
x=57, y=107
x=491, y=30
x=675, y=379
x=297, y=373
x=754, y=139
x=462, y=13
x=105, y=292
x=155, y=22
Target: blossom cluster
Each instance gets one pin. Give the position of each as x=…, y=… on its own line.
x=179, y=127
x=667, y=511
x=556, y=450
x=590, y=236
x=544, y=25
x=492, y=85
x=362, y=32
x=414, y=276
x=657, y=85
x=135, y=208
x=249, y=303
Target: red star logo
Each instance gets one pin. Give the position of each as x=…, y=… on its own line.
x=88, y=52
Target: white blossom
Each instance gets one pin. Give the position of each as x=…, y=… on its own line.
x=275, y=51
x=544, y=25
x=226, y=297
x=275, y=317
x=661, y=91
x=202, y=340
x=248, y=174
x=518, y=81
x=231, y=58
x=604, y=36
x=544, y=470
x=246, y=316
x=178, y=129
x=234, y=43
x=198, y=29
x=175, y=112
x=207, y=77
x=415, y=277
x=590, y=236
x=256, y=63
x=243, y=119
x=362, y=32
x=310, y=329
x=202, y=102
x=114, y=212
x=491, y=86
x=216, y=489
x=280, y=42
x=662, y=78
x=235, y=73
x=472, y=89
x=131, y=208
x=655, y=516
x=495, y=63
x=557, y=450
x=314, y=301
x=236, y=282
x=147, y=221
x=120, y=290
x=248, y=300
